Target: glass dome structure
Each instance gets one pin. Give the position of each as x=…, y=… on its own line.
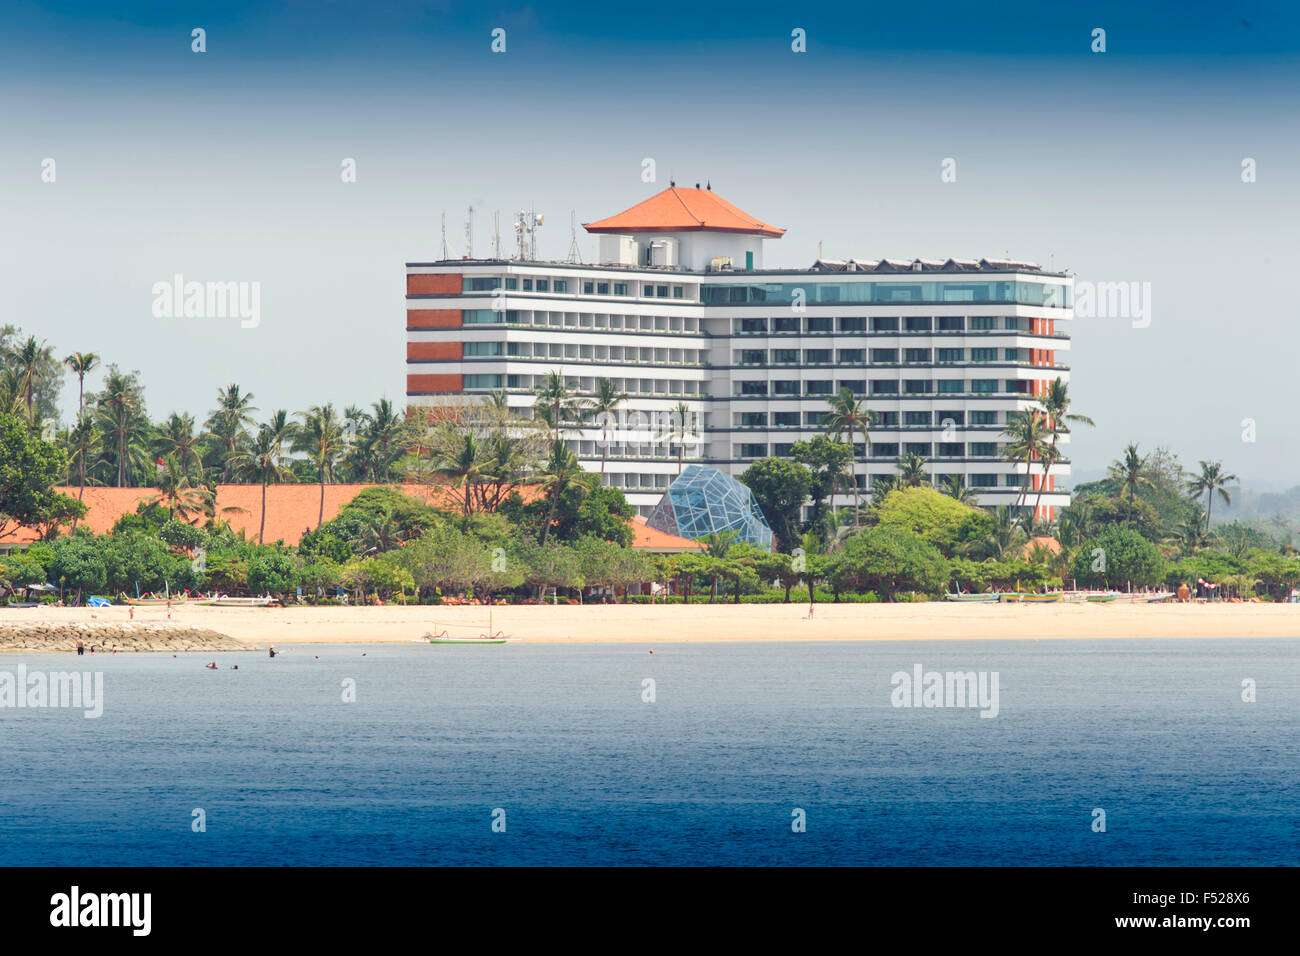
x=703, y=500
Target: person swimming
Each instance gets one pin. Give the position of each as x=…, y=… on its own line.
x=271, y=651
x=212, y=665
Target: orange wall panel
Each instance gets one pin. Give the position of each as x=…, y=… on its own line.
x=433, y=383
x=433, y=318
x=441, y=284
x=433, y=351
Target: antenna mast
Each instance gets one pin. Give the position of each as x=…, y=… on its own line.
x=469, y=233
x=444, y=237
x=575, y=254
x=496, y=232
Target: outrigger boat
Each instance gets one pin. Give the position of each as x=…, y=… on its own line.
x=1030, y=597
x=491, y=637
x=239, y=602
x=155, y=601
x=988, y=598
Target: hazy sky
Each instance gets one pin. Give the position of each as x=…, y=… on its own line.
x=225, y=166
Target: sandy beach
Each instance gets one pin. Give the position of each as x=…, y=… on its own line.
x=650, y=625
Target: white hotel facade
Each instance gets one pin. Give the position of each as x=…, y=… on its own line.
x=682, y=310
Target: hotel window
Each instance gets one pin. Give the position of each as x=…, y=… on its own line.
x=921, y=448
x=785, y=419
x=785, y=388
x=950, y=386
x=753, y=451
x=785, y=356
x=948, y=356
x=677, y=292
x=588, y=288
x=620, y=288
x=916, y=355
x=663, y=291
x=984, y=481
x=822, y=323
x=543, y=285
x=602, y=288
x=481, y=317
x=944, y=418
x=753, y=388
x=918, y=323
x=952, y=450
x=752, y=325
x=819, y=388
x=753, y=420
x=852, y=356
x=952, y=323
x=884, y=388
x=561, y=285
x=983, y=355
x=785, y=324
x=482, y=381
x=884, y=356
x=983, y=418
x=884, y=450
x=477, y=284
x=984, y=386
x=983, y=449
x=1017, y=386
x=753, y=357
x=1011, y=322
x=856, y=386
x=512, y=283
x=983, y=323
x=916, y=418
x=528, y=285
x=815, y=419
x=887, y=419
x=853, y=324
x=514, y=381
x=817, y=356
x=884, y=324
x=1013, y=480
x=783, y=450
x=1011, y=355
x=483, y=348
x=918, y=386
x=648, y=290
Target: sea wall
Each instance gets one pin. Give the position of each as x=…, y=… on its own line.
x=110, y=638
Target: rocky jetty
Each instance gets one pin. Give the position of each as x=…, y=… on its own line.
x=128, y=636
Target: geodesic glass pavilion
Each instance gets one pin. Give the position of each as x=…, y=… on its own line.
x=703, y=500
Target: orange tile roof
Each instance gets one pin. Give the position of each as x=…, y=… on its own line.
x=684, y=210
x=652, y=539
x=292, y=509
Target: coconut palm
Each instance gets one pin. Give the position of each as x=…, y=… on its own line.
x=176, y=438
x=680, y=423
x=263, y=462
x=1130, y=472
x=559, y=400
x=954, y=486
x=1027, y=442
x=1055, y=406
x=320, y=437
x=82, y=364
x=120, y=415
x=1211, y=479
x=177, y=492
x=27, y=360
x=386, y=438
x=561, y=473
x=82, y=439
x=461, y=464
x=911, y=471
x=881, y=485
x=849, y=415
x=229, y=423
x=602, y=405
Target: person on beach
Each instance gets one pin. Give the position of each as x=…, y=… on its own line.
x=130, y=612
x=81, y=647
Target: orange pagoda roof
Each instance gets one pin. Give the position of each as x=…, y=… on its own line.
x=684, y=210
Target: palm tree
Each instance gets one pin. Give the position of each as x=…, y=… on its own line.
x=560, y=473
x=1055, y=406
x=176, y=437
x=82, y=364
x=954, y=486
x=602, y=405
x=1210, y=480
x=229, y=423
x=121, y=419
x=911, y=471
x=558, y=398
x=177, y=492
x=264, y=462
x=321, y=437
x=849, y=415
x=461, y=464
x=1130, y=472
x=81, y=441
x=881, y=485
x=681, y=418
x=387, y=438
x=1027, y=441
x=28, y=358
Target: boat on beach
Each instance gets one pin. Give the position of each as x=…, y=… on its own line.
x=239, y=602
x=983, y=598
x=156, y=601
x=1030, y=597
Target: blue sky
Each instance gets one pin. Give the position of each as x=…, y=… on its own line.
x=225, y=166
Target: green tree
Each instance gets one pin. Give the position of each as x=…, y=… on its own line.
x=321, y=437
x=29, y=467
x=81, y=364
x=601, y=407
x=1118, y=556
x=945, y=523
x=780, y=487
x=1211, y=479
x=850, y=415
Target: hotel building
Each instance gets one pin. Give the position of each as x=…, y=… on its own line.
x=682, y=309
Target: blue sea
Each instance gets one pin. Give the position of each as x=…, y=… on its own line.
x=581, y=767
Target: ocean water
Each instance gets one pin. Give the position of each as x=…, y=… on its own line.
x=738, y=736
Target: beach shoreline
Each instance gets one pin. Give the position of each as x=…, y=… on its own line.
x=698, y=623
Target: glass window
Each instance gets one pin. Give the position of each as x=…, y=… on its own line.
x=677, y=292
x=881, y=323
x=753, y=388
x=561, y=285
x=856, y=386
x=753, y=357
x=602, y=288
x=883, y=449
x=483, y=348
x=951, y=386
x=648, y=290
x=884, y=356
x=528, y=285
x=821, y=323
x=663, y=291
x=1011, y=355
x=921, y=448
x=948, y=356
x=620, y=288
x=543, y=285
x=482, y=381
x=480, y=283
x=884, y=388
x=785, y=324
x=817, y=356
x=983, y=355
x=983, y=418
x=952, y=449
x=481, y=316
x=983, y=323
x=853, y=324
x=984, y=481
x=916, y=355
x=944, y=418
x=852, y=356
x=918, y=323
x=588, y=288
x=917, y=386
x=984, y=386
x=819, y=388
x=952, y=323
x=815, y=419
x=753, y=419
x=983, y=449
x=786, y=419
x=512, y=283
x=785, y=356
x=785, y=388
x=753, y=451
x=887, y=419
x=753, y=325
x=916, y=418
